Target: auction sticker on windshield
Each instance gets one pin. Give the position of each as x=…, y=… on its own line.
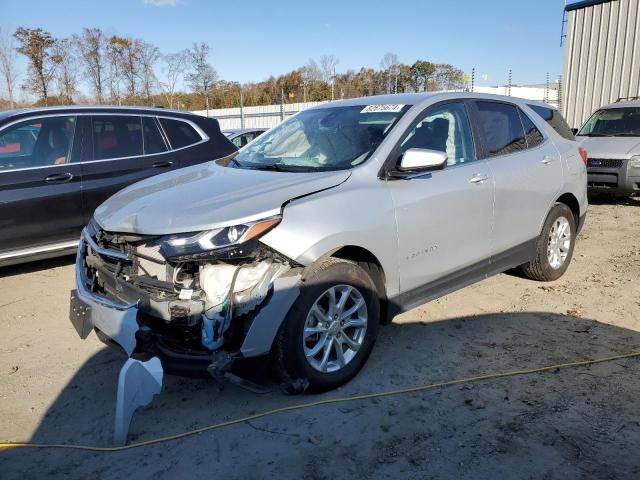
x=391, y=107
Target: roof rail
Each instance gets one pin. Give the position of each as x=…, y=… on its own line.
x=624, y=99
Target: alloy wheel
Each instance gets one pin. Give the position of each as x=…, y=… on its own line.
x=335, y=328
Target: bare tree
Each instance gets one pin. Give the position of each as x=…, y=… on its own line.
x=37, y=45
x=66, y=74
x=130, y=62
x=449, y=77
x=114, y=53
x=92, y=44
x=310, y=73
x=328, y=65
x=391, y=65
x=313, y=70
x=8, y=67
x=148, y=56
x=203, y=76
x=175, y=64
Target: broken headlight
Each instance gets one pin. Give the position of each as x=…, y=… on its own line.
x=196, y=246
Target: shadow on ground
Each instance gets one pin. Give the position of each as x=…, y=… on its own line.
x=607, y=199
x=40, y=265
x=574, y=423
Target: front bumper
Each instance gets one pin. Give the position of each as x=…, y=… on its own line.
x=123, y=326
x=613, y=176
x=90, y=311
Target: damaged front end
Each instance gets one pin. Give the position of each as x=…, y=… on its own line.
x=194, y=303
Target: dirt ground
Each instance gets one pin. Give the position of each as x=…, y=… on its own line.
x=577, y=423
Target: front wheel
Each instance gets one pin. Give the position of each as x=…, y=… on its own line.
x=330, y=330
x=555, y=246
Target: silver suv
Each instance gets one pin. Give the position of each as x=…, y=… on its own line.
x=306, y=241
x=612, y=138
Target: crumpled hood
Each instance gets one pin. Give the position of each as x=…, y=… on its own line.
x=610, y=147
x=206, y=196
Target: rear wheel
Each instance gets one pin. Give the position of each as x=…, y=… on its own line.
x=330, y=330
x=554, y=249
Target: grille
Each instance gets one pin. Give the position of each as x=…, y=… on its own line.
x=605, y=162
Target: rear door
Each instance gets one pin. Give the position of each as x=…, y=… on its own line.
x=40, y=187
x=126, y=149
x=526, y=170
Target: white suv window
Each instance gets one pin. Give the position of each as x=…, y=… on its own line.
x=501, y=128
x=446, y=129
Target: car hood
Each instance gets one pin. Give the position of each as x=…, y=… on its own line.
x=610, y=147
x=207, y=196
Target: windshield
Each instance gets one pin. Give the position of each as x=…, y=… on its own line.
x=614, y=122
x=330, y=138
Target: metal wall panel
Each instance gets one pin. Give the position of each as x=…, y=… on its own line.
x=602, y=57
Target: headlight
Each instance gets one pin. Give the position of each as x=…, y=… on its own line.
x=195, y=246
x=635, y=161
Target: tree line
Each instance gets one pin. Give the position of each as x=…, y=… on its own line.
x=95, y=67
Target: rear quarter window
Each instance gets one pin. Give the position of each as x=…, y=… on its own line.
x=180, y=134
x=555, y=120
x=533, y=135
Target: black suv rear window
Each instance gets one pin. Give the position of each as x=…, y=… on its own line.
x=180, y=133
x=553, y=118
x=116, y=136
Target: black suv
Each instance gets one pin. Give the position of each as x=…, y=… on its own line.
x=58, y=164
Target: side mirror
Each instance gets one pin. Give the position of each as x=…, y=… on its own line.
x=574, y=131
x=422, y=159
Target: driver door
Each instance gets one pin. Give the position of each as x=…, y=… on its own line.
x=40, y=194
x=445, y=216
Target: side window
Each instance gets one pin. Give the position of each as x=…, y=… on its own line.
x=153, y=141
x=446, y=129
x=532, y=134
x=37, y=143
x=116, y=136
x=180, y=133
x=553, y=118
x=501, y=128
x=241, y=140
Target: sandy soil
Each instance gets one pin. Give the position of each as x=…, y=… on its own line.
x=581, y=423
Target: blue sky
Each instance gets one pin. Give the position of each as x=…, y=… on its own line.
x=251, y=40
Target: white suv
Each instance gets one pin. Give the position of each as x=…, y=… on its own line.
x=612, y=138
x=302, y=244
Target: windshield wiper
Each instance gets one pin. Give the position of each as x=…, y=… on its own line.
x=600, y=135
x=279, y=167
x=276, y=167
x=236, y=163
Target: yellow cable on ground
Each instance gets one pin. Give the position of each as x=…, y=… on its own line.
x=419, y=388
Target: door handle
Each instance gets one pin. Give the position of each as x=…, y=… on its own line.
x=161, y=164
x=59, y=178
x=546, y=160
x=478, y=178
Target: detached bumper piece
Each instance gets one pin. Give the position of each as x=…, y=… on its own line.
x=137, y=384
x=190, y=319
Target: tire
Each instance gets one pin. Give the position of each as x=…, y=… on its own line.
x=292, y=349
x=546, y=267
